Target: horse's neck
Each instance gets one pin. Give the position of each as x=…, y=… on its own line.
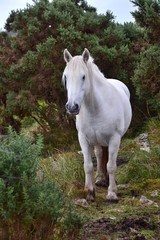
x=96, y=78
x=96, y=84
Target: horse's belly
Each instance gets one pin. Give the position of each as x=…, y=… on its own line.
x=102, y=139
x=99, y=129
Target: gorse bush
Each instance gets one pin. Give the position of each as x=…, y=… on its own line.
x=146, y=78
x=19, y=156
x=25, y=199
x=32, y=59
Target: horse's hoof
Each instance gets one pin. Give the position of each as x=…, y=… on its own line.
x=112, y=198
x=101, y=183
x=111, y=201
x=91, y=195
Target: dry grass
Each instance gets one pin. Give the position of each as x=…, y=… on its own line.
x=66, y=169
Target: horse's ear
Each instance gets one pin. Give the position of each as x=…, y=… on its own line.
x=85, y=55
x=67, y=56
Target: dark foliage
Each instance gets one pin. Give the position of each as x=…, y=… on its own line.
x=32, y=63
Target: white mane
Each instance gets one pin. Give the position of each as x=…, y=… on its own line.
x=94, y=70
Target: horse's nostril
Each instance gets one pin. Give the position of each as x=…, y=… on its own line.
x=76, y=106
x=73, y=109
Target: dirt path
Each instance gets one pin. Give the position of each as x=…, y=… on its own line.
x=126, y=229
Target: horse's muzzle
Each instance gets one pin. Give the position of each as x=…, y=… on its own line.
x=72, y=109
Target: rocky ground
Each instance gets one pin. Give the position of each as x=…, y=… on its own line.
x=127, y=228
x=135, y=216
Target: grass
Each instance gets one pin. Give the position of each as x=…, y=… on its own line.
x=142, y=173
x=142, y=165
x=66, y=169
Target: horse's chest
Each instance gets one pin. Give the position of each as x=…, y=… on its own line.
x=95, y=133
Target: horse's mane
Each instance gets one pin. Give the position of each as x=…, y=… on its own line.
x=94, y=70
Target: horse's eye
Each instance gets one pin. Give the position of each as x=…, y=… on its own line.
x=83, y=78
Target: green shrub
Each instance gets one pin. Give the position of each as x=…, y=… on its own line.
x=19, y=158
x=146, y=78
x=25, y=199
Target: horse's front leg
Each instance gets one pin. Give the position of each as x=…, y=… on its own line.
x=112, y=166
x=88, y=166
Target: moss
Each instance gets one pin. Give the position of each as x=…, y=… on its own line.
x=148, y=234
x=147, y=185
x=76, y=191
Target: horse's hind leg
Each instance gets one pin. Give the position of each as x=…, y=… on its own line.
x=101, y=154
x=112, y=166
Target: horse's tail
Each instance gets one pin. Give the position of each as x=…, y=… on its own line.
x=104, y=162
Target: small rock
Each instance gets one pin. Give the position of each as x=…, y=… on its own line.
x=81, y=202
x=143, y=199
x=143, y=136
x=123, y=186
x=145, y=147
x=112, y=218
x=142, y=141
x=133, y=230
x=154, y=194
x=80, y=152
x=117, y=210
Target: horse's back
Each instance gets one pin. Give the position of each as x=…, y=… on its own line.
x=123, y=100
x=119, y=86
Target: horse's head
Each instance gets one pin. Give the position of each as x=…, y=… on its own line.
x=75, y=79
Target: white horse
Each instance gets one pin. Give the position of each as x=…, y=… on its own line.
x=103, y=114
